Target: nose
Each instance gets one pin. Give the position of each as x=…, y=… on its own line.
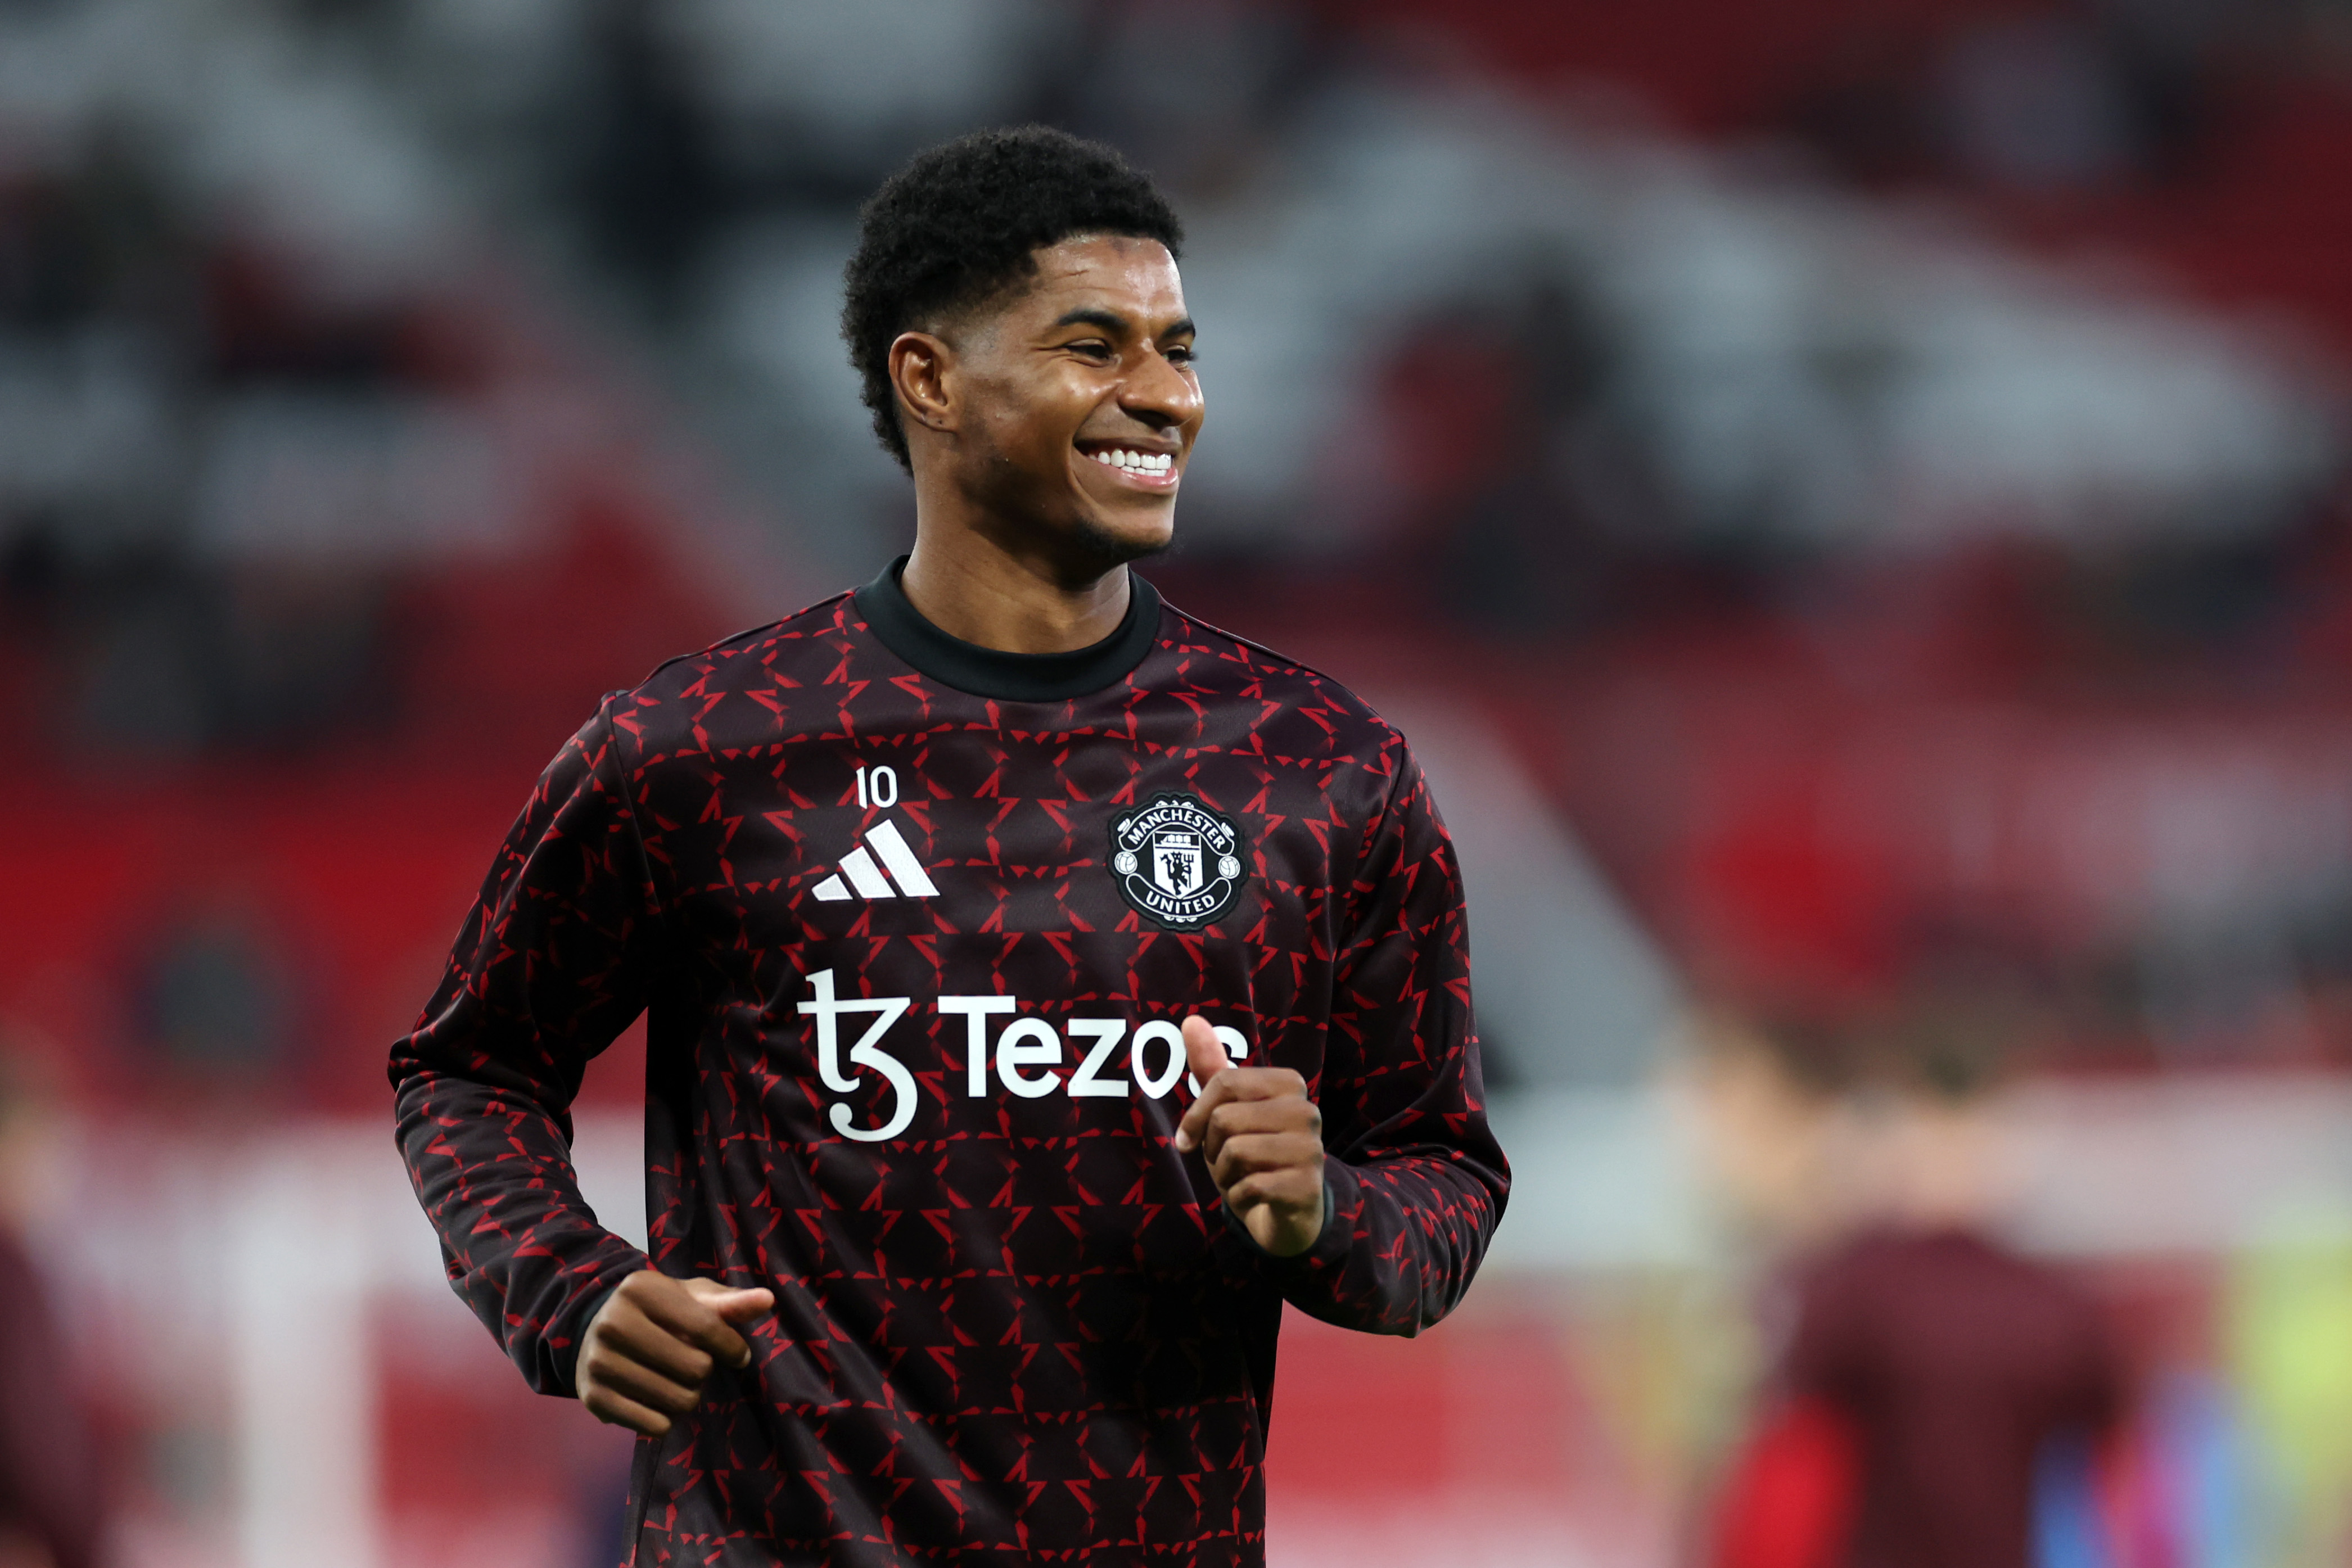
x=1159, y=395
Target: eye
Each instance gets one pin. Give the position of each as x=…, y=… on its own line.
x=1092, y=348
x=1180, y=354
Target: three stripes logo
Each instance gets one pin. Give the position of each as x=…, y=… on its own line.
x=866, y=879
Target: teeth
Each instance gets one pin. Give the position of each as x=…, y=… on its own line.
x=1137, y=462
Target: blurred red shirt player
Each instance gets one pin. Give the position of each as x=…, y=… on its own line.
x=1928, y=1371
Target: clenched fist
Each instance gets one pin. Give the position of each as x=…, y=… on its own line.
x=655, y=1340
x=1262, y=1139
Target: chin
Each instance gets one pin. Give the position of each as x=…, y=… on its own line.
x=1110, y=544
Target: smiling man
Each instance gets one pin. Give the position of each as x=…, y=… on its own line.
x=1043, y=986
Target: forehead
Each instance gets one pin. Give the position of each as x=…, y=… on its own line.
x=1133, y=276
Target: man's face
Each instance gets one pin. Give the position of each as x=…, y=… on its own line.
x=1080, y=404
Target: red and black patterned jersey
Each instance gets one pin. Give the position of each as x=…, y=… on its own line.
x=914, y=923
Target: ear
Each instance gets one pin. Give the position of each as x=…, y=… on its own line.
x=921, y=368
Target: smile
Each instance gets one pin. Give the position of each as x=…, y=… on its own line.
x=1154, y=470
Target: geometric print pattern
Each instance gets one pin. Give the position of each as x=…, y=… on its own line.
x=1014, y=1324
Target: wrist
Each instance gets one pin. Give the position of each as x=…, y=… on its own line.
x=1322, y=1228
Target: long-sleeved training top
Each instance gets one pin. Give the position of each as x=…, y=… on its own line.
x=914, y=923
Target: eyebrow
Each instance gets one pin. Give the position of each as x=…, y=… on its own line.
x=1111, y=321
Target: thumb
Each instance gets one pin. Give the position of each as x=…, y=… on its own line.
x=731, y=1304
x=743, y=1306
x=736, y=1304
x=1204, y=1053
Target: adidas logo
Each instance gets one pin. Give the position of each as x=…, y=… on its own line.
x=885, y=840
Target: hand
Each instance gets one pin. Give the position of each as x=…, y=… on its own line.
x=655, y=1340
x=1263, y=1138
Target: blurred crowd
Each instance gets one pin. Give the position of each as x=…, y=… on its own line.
x=1508, y=370
x=2092, y=98
x=135, y=340
x=1563, y=377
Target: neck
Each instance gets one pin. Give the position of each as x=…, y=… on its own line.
x=970, y=587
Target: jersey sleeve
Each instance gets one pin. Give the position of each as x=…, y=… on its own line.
x=553, y=962
x=1414, y=1179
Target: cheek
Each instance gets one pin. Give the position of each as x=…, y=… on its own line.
x=1035, y=424
x=1026, y=461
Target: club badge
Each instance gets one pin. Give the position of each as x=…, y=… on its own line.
x=1177, y=860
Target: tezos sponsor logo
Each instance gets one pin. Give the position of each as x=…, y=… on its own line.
x=1025, y=1056
x=1177, y=860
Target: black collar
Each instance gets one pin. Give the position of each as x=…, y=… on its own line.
x=1008, y=677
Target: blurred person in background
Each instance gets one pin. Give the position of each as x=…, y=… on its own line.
x=1929, y=1385
x=52, y=1503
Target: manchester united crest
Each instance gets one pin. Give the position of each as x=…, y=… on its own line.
x=1177, y=860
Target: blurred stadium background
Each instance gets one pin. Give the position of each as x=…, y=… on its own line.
x=1833, y=488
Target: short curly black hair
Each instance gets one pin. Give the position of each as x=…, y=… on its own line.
x=963, y=222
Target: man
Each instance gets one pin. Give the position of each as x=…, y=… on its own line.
x=934, y=892
x=1934, y=1382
